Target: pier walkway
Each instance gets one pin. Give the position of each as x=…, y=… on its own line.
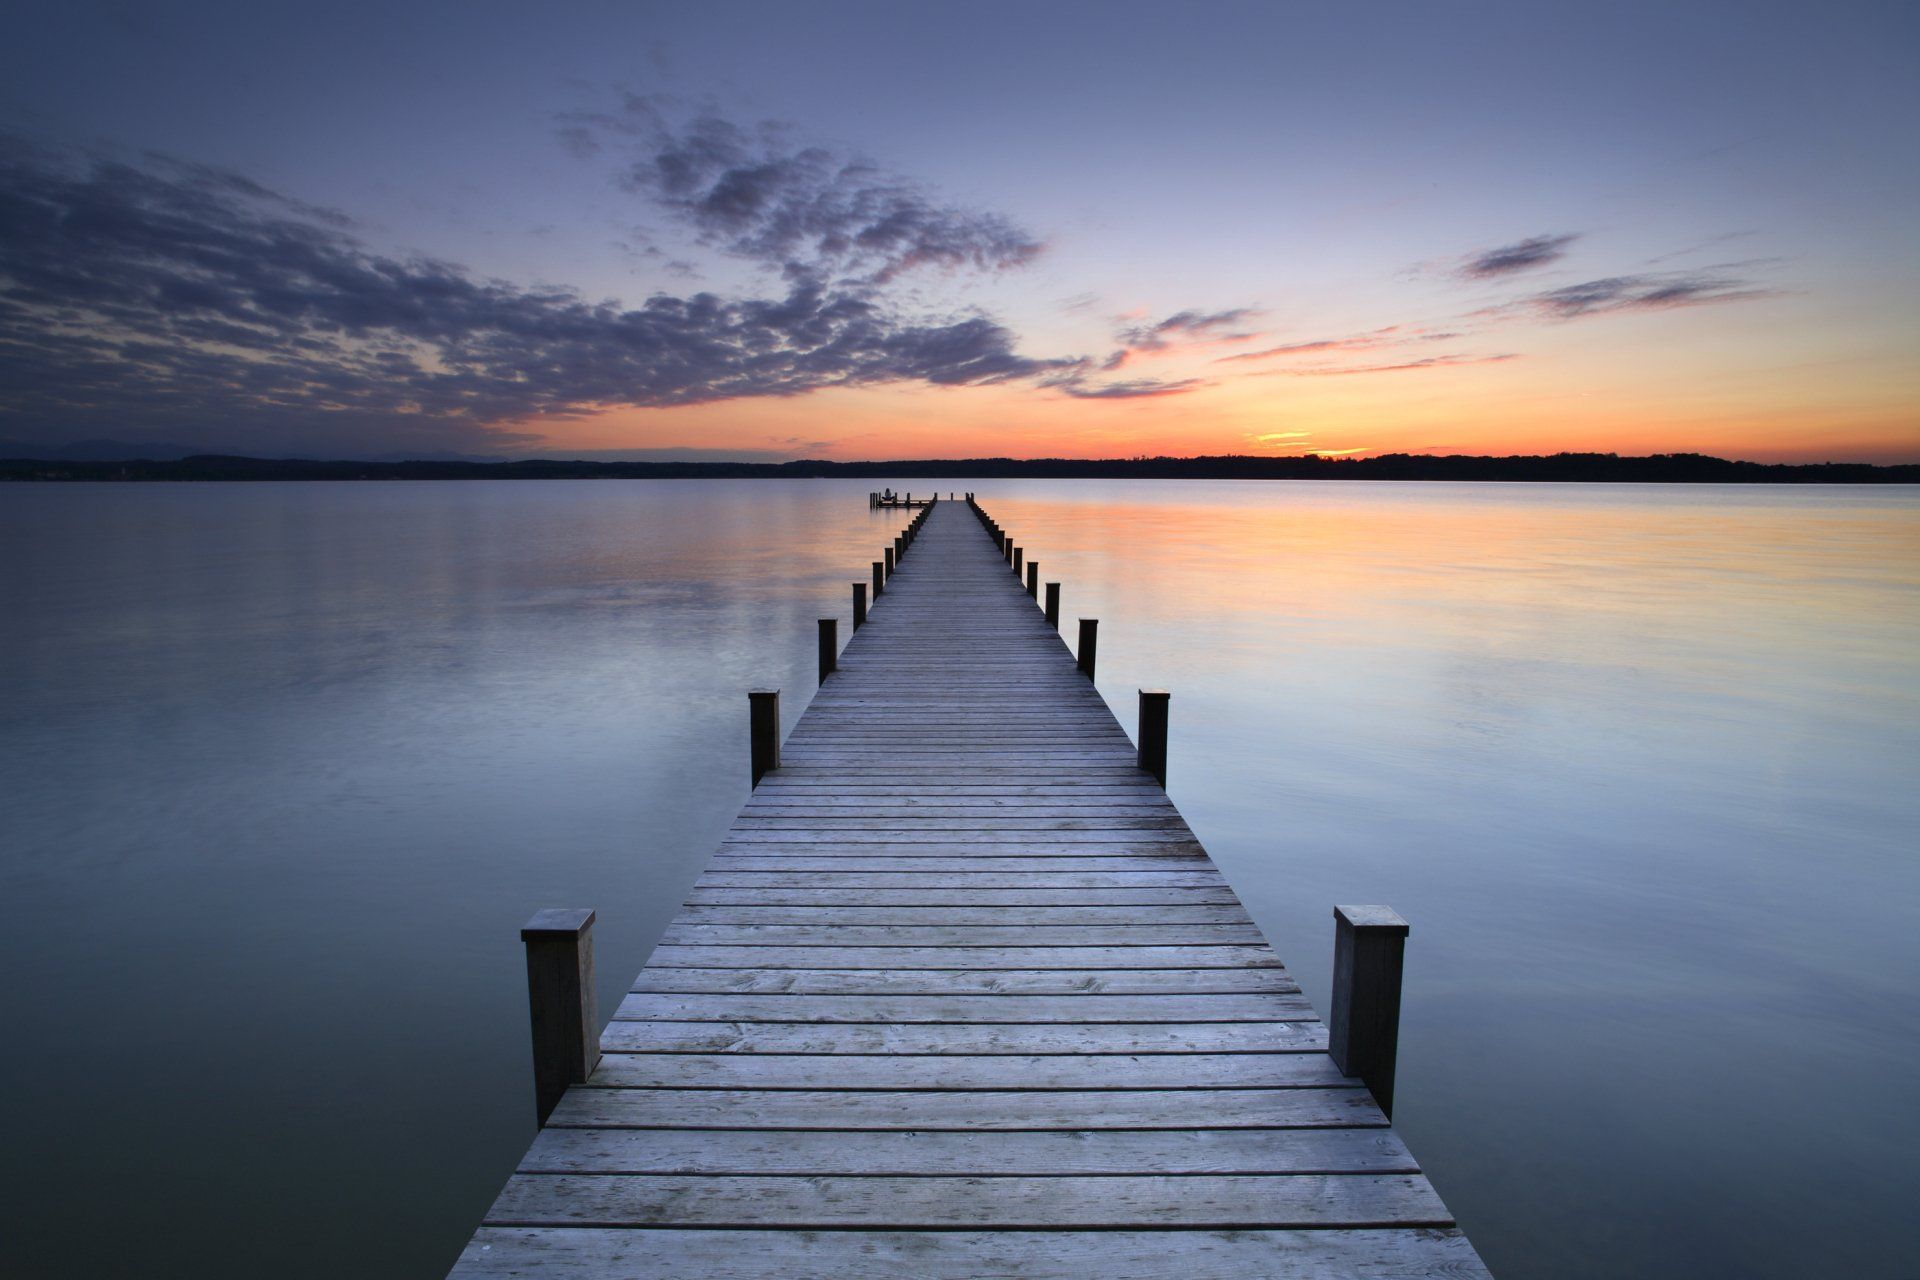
x=961, y=995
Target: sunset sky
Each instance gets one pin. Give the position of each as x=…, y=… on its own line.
x=905, y=230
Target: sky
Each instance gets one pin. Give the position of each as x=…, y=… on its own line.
x=773, y=231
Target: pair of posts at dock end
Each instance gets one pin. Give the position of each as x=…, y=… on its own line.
x=1363, y=1025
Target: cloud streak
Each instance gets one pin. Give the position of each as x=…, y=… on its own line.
x=1390, y=336
x=1300, y=443
x=170, y=297
x=1128, y=389
x=1181, y=329
x=1663, y=292
x=1189, y=326
x=1428, y=362
x=1510, y=259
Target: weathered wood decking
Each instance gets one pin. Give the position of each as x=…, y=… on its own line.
x=961, y=995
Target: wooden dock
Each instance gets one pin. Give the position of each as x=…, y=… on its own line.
x=961, y=995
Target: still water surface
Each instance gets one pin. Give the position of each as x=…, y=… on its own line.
x=286, y=766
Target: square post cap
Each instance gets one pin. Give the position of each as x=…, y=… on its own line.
x=557, y=921
x=1373, y=918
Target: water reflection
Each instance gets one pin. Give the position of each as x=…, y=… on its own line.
x=290, y=764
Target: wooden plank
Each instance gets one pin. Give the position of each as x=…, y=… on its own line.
x=1081, y=1008
x=904, y=935
x=548, y=1253
x=672, y=1036
x=1222, y=1201
x=1098, y=1151
x=944, y=862
x=834, y=878
x=907, y=982
x=840, y=895
x=930, y=826
x=966, y=1110
x=1112, y=840
x=1005, y=915
x=1235, y=956
x=892, y=1069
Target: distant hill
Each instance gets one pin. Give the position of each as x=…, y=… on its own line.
x=151, y=451
x=100, y=451
x=1585, y=468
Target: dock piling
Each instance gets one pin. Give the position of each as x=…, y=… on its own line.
x=1363, y=1030
x=1089, y=645
x=560, y=999
x=1153, y=733
x=1053, y=604
x=763, y=720
x=879, y=579
x=829, y=647
x=1033, y=579
x=859, y=604
x=887, y=558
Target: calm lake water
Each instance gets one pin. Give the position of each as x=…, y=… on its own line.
x=287, y=766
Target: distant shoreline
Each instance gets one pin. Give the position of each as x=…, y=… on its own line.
x=1569, y=468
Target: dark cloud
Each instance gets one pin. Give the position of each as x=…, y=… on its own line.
x=1535, y=251
x=810, y=210
x=1640, y=293
x=169, y=298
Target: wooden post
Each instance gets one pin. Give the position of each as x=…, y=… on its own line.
x=1033, y=578
x=887, y=559
x=1019, y=553
x=1089, y=644
x=1012, y=551
x=1053, y=604
x=1153, y=733
x=763, y=721
x=859, y=604
x=1363, y=1029
x=829, y=647
x=566, y=1024
x=879, y=579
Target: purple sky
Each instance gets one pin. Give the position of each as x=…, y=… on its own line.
x=963, y=228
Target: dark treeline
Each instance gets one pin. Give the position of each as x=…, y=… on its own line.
x=1666, y=468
